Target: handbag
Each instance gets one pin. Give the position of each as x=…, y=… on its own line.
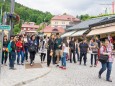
x=32, y=48
x=95, y=50
x=103, y=58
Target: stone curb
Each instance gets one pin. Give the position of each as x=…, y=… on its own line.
x=28, y=81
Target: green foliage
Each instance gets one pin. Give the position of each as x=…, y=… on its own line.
x=41, y=27
x=28, y=14
x=16, y=29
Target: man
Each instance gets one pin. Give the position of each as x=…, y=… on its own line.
x=83, y=47
x=58, y=47
x=13, y=52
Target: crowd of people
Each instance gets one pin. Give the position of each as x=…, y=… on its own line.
x=20, y=48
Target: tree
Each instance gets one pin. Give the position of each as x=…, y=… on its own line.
x=16, y=29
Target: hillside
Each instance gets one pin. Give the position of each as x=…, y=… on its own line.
x=27, y=14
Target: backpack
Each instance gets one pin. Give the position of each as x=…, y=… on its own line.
x=9, y=47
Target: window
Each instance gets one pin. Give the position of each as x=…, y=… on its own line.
x=56, y=22
x=63, y=22
x=24, y=29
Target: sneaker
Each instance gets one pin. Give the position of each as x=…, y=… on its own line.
x=85, y=65
x=109, y=80
x=57, y=66
x=22, y=64
x=61, y=67
x=18, y=64
x=31, y=64
x=5, y=64
x=64, y=68
x=91, y=66
x=95, y=65
x=99, y=76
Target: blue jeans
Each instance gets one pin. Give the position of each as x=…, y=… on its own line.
x=107, y=65
x=12, y=59
x=21, y=53
x=63, y=59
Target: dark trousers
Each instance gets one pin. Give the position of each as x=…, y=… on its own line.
x=54, y=59
x=12, y=59
x=83, y=55
x=48, y=58
x=32, y=57
x=26, y=53
x=74, y=59
x=43, y=55
x=78, y=56
x=107, y=65
x=93, y=56
x=4, y=57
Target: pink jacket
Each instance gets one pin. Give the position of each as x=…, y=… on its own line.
x=109, y=50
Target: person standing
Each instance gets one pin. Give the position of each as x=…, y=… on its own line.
x=72, y=50
x=58, y=48
x=83, y=46
x=50, y=49
x=65, y=49
x=77, y=49
x=26, y=44
x=94, y=50
x=43, y=50
x=5, y=51
x=12, y=50
x=20, y=50
x=106, y=50
x=32, y=49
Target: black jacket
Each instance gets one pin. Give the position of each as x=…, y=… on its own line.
x=13, y=46
x=72, y=45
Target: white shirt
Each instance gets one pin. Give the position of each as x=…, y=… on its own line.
x=66, y=49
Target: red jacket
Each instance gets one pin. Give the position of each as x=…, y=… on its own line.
x=20, y=46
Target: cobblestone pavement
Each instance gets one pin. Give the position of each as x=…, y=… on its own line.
x=75, y=75
x=21, y=75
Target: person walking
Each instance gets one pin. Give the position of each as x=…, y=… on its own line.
x=43, y=50
x=106, y=50
x=65, y=49
x=94, y=51
x=26, y=44
x=12, y=50
x=72, y=50
x=20, y=50
x=58, y=48
x=5, y=51
x=32, y=49
x=50, y=50
x=83, y=46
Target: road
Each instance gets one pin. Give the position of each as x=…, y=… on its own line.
x=74, y=75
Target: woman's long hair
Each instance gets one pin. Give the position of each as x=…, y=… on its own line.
x=65, y=42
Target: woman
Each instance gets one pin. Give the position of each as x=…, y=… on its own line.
x=65, y=49
x=106, y=50
x=72, y=50
x=50, y=50
x=77, y=49
x=94, y=51
x=20, y=50
x=43, y=49
x=5, y=52
x=32, y=49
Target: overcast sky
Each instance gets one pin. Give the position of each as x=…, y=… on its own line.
x=73, y=7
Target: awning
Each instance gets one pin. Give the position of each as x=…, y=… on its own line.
x=102, y=31
x=79, y=33
x=67, y=34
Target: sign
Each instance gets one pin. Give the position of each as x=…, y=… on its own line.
x=5, y=27
x=1, y=45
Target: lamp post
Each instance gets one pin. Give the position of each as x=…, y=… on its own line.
x=11, y=13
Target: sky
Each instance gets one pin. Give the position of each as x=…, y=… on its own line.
x=72, y=7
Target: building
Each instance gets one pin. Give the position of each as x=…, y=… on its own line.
x=64, y=21
x=81, y=28
x=48, y=30
x=29, y=27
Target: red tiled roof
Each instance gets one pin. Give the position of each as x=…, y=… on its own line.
x=65, y=17
x=49, y=29
x=30, y=26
